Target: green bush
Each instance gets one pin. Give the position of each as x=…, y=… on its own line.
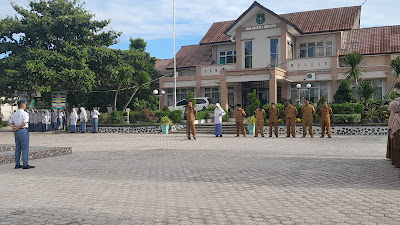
x=344, y=93
x=346, y=118
x=347, y=108
x=115, y=117
x=176, y=116
x=254, y=103
x=135, y=116
x=225, y=118
x=166, y=109
x=202, y=115
x=160, y=114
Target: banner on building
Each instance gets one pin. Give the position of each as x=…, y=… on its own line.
x=59, y=99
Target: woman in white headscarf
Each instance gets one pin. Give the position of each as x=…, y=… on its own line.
x=73, y=120
x=218, y=114
x=83, y=119
x=393, y=147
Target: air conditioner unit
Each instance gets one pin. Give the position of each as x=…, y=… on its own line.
x=310, y=76
x=233, y=38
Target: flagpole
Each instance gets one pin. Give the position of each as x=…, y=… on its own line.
x=174, y=56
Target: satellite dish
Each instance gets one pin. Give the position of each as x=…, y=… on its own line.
x=233, y=38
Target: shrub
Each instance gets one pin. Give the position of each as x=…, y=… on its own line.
x=344, y=93
x=115, y=117
x=254, y=103
x=225, y=118
x=251, y=120
x=160, y=114
x=148, y=115
x=202, y=115
x=165, y=120
x=165, y=109
x=176, y=116
x=347, y=108
x=135, y=116
x=346, y=118
x=278, y=106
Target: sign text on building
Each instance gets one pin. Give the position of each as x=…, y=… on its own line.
x=260, y=27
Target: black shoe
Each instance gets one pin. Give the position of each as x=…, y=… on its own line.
x=216, y=136
x=237, y=136
x=18, y=166
x=270, y=135
x=255, y=136
x=322, y=137
x=28, y=167
x=189, y=138
x=194, y=138
x=262, y=136
x=329, y=137
x=220, y=135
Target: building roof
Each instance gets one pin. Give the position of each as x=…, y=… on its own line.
x=307, y=22
x=216, y=33
x=369, y=41
x=162, y=64
x=325, y=20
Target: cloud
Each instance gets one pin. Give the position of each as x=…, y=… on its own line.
x=152, y=19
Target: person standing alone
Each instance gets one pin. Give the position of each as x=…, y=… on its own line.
x=308, y=111
x=19, y=124
x=190, y=113
x=218, y=114
x=95, y=119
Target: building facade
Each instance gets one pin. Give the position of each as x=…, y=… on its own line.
x=293, y=56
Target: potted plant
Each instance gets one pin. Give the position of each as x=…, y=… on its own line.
x=251, y=121
x=165, y=123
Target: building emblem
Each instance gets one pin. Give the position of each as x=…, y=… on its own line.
x=260, y=18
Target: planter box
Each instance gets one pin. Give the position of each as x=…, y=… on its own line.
x=165, y=128
x=252, y=129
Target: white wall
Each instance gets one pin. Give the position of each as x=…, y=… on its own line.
x=261, y=45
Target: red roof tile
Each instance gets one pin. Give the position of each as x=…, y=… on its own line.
x=374, y=40
x=162, y=64
x=216, y=33
x=192, y=55
x=324, y=20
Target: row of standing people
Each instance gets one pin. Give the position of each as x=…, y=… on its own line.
x=291, y=112
x=83, y=119
x=42, y=120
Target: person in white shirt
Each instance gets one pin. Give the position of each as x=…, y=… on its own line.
x=95, y=120
x=73, y=119
x=19, y=124
x=83, y=119
x=218, y=114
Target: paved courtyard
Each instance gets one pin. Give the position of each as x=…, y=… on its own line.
x=163, y=179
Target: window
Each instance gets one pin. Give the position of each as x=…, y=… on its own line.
x=200, y=101
x=227, y=57
x=274, y=52
x=212, y=94
x=317, y=91
x=248, y=54
x=181, y=93
x=316, y=49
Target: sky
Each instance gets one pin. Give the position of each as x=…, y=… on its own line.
x=153, y=20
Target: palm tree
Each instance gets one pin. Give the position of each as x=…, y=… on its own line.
x=355, y=61
x=395, y=65
x=366, y=91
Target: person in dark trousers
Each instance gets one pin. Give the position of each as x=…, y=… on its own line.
x=19, y=124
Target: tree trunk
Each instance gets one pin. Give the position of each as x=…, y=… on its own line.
x=130, y=99
x=116, y=97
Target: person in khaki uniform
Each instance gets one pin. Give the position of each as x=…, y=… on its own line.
x=291, y=113
x=260, y=115
x=190, y=117
x=273, y=119
x=239, y=115
x=308, y=111
x=326, y=113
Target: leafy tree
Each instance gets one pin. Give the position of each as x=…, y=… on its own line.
x=395, y=66
x=48, y=45
x=138, y=44
x=254, y=103
x=366, y=91
x=344, y=93
x=190, y=98
x=354, y=60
